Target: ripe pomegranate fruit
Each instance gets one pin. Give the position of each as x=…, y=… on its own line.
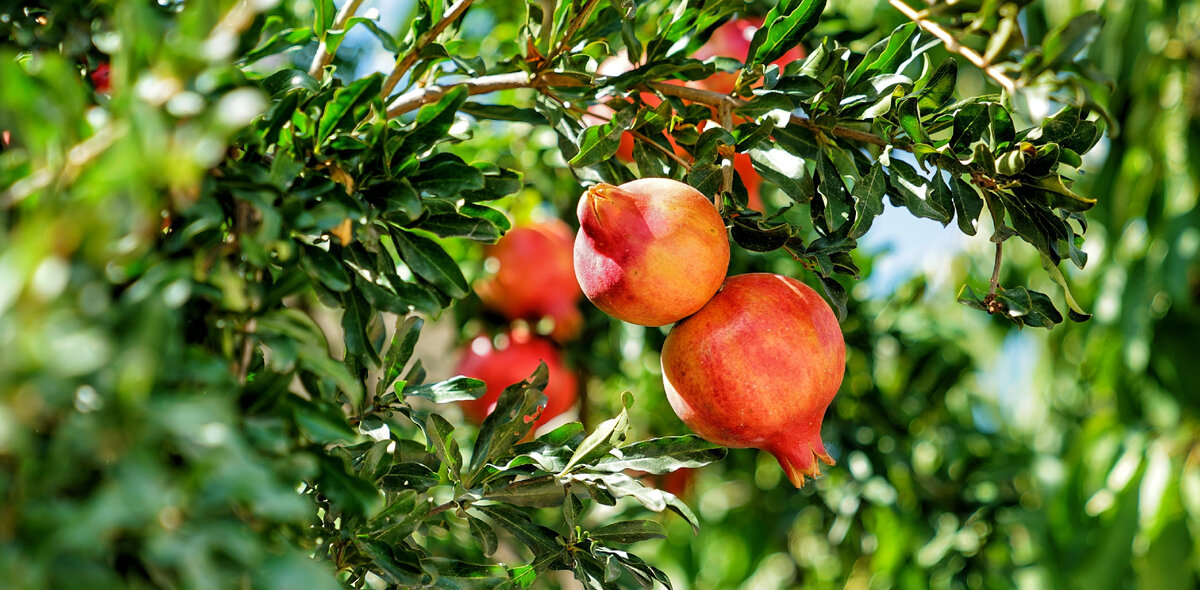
x=756, y=367
x=100, y=78
x=512, y=361
x=651, y=251
x=732, y=40
x=534, y=277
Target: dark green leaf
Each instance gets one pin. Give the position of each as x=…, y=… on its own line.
x=787, y=23
x=409, y=476
x=429, y=261
x=630, y=531
x=454, y=389
x=541, y=492
x=662, y=455
x=348, y=106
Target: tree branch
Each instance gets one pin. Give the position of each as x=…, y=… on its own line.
x=324, y=57
x=995, y=283
x=410, y=58
x=954, y=46
x=421, y=96
x=717, y=99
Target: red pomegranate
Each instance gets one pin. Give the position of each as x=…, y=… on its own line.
x=756, y=367
x=534, y=277
x=100, y=78
x=515, y=356
x=651, y=251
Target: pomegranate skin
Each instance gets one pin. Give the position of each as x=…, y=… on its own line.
x=535, y=277
x=757, y=367
x=513, y=363
x=651, y=251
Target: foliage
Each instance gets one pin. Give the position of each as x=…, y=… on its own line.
x=210, y=282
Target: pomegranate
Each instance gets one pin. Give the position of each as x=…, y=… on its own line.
x=534, y=277
x=100, y=78
x=515, y=358
x=756, y=367
x=651, y=251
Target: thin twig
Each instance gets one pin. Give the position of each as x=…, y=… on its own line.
x=726, y=115
x=421, y=96
x=324, y=57
x=576, y=24
x=667, y=151
x=954, y=46
x=408, y=59
x=995, y=284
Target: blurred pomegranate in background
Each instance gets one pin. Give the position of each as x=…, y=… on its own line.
x=100, y=78
x=512, y=359
x=532, y=276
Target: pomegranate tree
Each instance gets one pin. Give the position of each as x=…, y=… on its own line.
x=651, y=251
x=756, y=367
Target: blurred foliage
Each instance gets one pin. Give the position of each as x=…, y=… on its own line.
x=204, y=383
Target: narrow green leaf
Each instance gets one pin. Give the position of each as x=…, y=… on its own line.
x=429, y=261
x=630, y=531
x=348, y=106
x=787, y=23
x=441, y=440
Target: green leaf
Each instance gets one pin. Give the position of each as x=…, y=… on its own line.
x=348, y=106
x=509, y=422
x=785, y=170
x=788, y=22
x=538, y=538
x=540, y=492
x=433, y=121
x=404, y=341
x=621, y=486
x=662, y=455
x=884, y=55
x=502, y=112
x=446, y=175
x=429, y=261
x=967, y=204
x=287, y=39
x=323, y=19
x=409, y=476
x=706, y=178
x=483, y=533
x=454, y=389
x=321, y=421
x=441, y=440
x=322, y=266
x=630, y=531
x=600, y=142
x=607, y=436
x=346, y=491
x=910, y=121
x=1074, y=310
x=914, y=192
x=970, y=124
x=940, y=87
x=868, y=200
